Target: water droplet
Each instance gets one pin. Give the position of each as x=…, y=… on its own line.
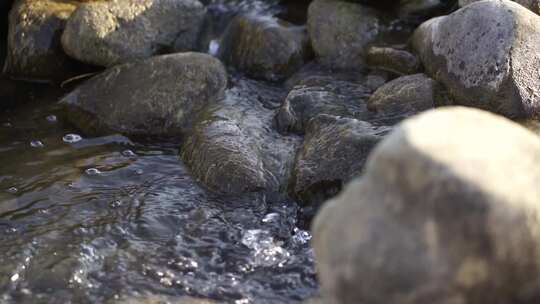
x=129, y=153
x=14, y=277
x=12, y=190
x=52, y=118
x=36, y=144
x=92, y=171
x=71, y=138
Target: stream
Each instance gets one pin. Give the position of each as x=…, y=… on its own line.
x=87, y=219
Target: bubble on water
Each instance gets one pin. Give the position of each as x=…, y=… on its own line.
x=116, y=204
x=213, y=47
x=36, y=144
x=139, y=171
x=184, y=264
x=12, y=190
x=52, y=118
x=270, y=217
x=71, y=138
x=265, y=251
x=14, y=277
x=301, y=237
x=92, y=171
x=129, y=153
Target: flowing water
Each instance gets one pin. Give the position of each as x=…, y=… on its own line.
x=92, y=219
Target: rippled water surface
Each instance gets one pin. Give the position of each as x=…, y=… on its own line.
x=90, y=219
x=87, y=219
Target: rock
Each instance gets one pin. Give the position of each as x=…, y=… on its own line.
x=420, y=10
x=397, y=61
x=445, y=212
x=264, y=47
x=405, y=96
x=156, y=96
x=485, y=54
x=334, y=151
x=107, y=33
x=233, y=148
x=340, y=32
x=154, y=299
x=321, y=95
x=533, y=5
x=34, y=49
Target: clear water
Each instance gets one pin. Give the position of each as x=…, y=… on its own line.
x=92, y=219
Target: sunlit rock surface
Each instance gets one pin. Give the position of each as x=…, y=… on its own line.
x=157, y=96
x=446, y=212
x=106, y=33
x=486, y=55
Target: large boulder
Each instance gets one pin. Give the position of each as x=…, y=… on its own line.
x=321, y=95
x=533, y=5
x=486, y=55
x=340, y=32
x=156, y=96
x=405, y=96
x=106, y=33
x=34, y=50
x=446, y=212
x=264, y=47
x=233, y=148
x=334, y=151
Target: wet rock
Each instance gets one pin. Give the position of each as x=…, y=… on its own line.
x=398, y=61
x=406, y=96
x=157, y=96
x=264, y=47
x=107, y=33
x=533, y=5
x=233, y=148
x=446, y=212
x=34, y=50
x=334, y=151
x=485, y=54
x=420, y=10
x=321, y=95
x=154, y=299
x=340, y=32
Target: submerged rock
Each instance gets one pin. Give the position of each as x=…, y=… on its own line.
x=34, y=50
x=264, y=47
x=398, y=61
x=106, y=33
x=321, y=95
x=405, y=96
x=334, y=151
x=233, y=148
x=340, y=32
x=157, y=96
x=446, y=212
x=486, y=56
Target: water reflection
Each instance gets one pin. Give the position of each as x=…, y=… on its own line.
x=89, y=220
